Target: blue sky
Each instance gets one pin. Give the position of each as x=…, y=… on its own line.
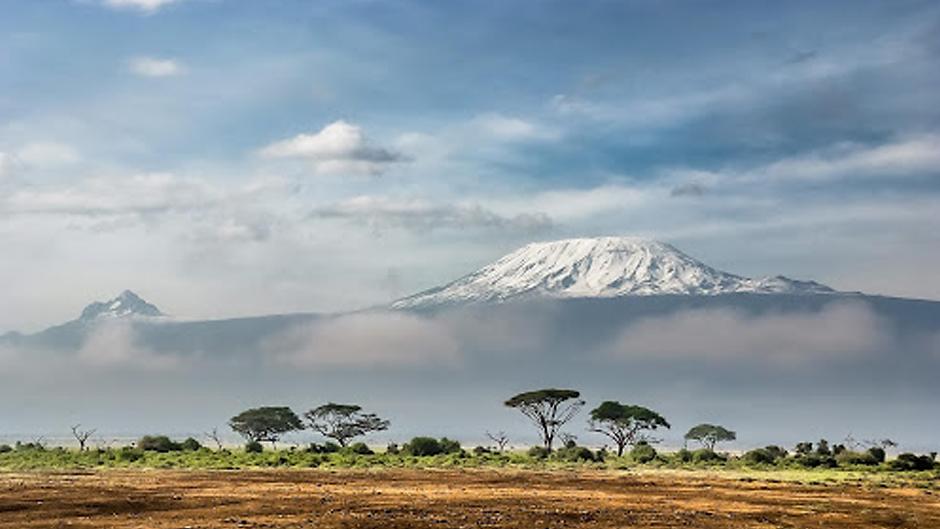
x=227, y=157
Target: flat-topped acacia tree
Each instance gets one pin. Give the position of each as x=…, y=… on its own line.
x=549, y=409
x=710, y=435
x=624, y=424
x=265, y=424
x=343, y=422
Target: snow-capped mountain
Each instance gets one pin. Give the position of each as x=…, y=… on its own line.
x=125, y=305
x=602, y=267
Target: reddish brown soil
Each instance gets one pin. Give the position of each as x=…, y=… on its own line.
x=392, y=499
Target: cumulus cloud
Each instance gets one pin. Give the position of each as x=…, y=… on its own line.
x=155, y=67
x=838, y=330
x=387, y=340
x=338, y=148
x=114, y=344
x=691, y=189
x=145, y=6
x=421, y=215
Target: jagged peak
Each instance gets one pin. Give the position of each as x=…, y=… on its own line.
x=124, y=305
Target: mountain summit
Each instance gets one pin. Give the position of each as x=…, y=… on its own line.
x=601, y=267
x=127, y=304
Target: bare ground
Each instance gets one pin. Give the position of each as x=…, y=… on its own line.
x=390, y=499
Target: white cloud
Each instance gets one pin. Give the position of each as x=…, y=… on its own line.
x=146, y=6
x=367, y=339
x=155, y=67
x=507, y=128
x=6, y=165
x=338, y=148
x=48, y=154
x=144, y=193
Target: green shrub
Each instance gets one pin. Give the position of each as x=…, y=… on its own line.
x=481, y=450
x=574, y=454
x=359, y=449
x=704, y=455
x=129, y=454
x=253, y=447
x=5, y=448
x=158, y=443
x=328, y=447
x=538, y=452
x=449, y=446
x=190, y=445
x=909, y=461
x=815, y=460
x=643, y=453
x=683, y=456
x=877, y=453
x=769, y=455
x=423, y=446
x=848, y=457
x=429, y=446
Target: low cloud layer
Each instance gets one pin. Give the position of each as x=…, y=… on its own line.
x=388, y=340
x=839, y=331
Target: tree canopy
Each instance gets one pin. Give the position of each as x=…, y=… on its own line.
x=549, y=409
x=266, y=423
x=710, y=435
x=343, y=422
x=624, y=424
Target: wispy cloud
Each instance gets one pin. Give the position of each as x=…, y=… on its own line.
x=155, y=67
x=381, y=212
x=144, y=6
x=338, y=148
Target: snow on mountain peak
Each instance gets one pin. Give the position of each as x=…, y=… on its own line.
x=599, y=267
x=126, y=304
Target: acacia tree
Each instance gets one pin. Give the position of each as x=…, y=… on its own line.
x=343, y=422
x=265, y=424
x=624, y=424
x=710, y=435
x=500, y=438
x=549, y=409
x=81, y=436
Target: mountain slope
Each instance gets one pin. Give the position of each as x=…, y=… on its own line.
x=599, y=268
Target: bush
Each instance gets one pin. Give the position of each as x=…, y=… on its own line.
x=449, y=446
x=5, y=448
x=392, y=449
x=704, y=455
x=158, y=443
x=253, y=447
x=848, y=457
x=360, y=449
x=769, y=455
x=643, y=453
x=190, y=444
x=481, y=450
x=574, y=454
x=429, y=446
x=538, y=452
x=814, y=460
x=683, y=456
x=909, y=461
x=328, y=447
x=129, y=454
x=878, y=453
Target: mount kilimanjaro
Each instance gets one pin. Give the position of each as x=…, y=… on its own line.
x=605, y=267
